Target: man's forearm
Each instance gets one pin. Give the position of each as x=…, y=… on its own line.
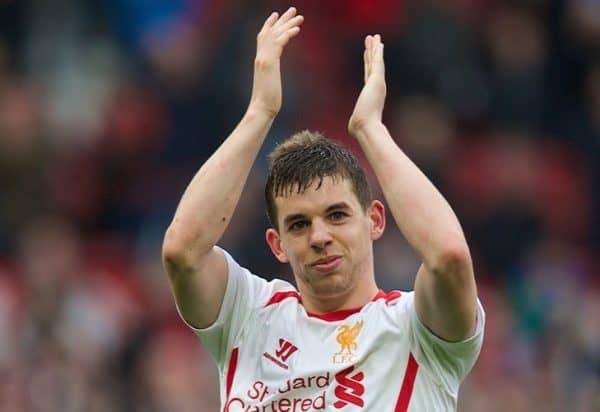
x=421, y=212
x=210, y=199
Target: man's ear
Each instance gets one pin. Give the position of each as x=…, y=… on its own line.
x=274, y=242
x=376, y=214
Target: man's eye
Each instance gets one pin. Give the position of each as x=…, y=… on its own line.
x=337, y=216
x=301, y=224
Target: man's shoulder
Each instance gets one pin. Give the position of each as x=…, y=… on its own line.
x=283, y=292
x=393, y=300
x=276, y=282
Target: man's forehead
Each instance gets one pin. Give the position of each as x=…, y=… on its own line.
x=330, y=191
x=318, y=185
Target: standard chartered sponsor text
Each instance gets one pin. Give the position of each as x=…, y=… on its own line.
x=261, y=398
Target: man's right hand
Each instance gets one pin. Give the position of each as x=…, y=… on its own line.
x=271, y=40
x=369, y=106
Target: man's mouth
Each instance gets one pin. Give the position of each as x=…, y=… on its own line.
x=327, y=264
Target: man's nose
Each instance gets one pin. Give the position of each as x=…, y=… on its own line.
x=320, y=235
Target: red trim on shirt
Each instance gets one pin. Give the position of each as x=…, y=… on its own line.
x=389, y=296
x=408, y=383
x=233, y=360
x=337, y=315
x=278, y=297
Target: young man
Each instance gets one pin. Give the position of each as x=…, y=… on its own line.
x=338, y=342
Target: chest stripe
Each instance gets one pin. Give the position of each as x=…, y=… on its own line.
x=233, y=360
x=408, y=383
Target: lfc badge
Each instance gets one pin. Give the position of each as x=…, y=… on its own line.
x=346, y=338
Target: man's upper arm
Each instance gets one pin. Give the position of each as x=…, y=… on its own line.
x=446, y=363
x=446, y=301
x=199, y=285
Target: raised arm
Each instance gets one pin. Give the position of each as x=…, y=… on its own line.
x=445, y=290
x=197, y=270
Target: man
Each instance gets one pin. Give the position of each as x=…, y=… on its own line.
x=338, y=343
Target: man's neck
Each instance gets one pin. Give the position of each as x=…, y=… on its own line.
x=352, y=299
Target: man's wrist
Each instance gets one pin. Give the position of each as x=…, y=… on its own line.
x=363, y=130
x=262, y=63
x=259, y=112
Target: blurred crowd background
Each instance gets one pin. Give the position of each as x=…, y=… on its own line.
x=108, y=107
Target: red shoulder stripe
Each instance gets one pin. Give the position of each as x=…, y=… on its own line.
x=279, y=296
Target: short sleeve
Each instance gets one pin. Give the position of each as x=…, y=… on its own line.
x=447, y=362
x=243, y=294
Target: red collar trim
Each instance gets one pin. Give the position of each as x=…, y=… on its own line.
x=338, y=314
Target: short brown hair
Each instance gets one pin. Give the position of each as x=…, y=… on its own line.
x=307, y=157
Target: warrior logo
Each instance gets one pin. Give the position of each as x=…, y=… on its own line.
x=349, y=388
x=347, y=339
x=285, y=350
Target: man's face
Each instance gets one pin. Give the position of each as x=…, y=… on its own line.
x=326, y=237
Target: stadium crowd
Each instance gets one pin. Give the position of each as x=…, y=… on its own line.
x=107, y=108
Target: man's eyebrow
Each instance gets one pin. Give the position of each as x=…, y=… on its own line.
x=289, y=219
x=299, y=216
x=337, y=206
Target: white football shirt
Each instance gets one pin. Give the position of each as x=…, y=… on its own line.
x=273, y=356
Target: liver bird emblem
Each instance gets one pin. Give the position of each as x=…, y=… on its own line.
x=347, y=337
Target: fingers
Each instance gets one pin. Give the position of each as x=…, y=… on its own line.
x=368, y=56
x=294, y=22
x=285, y=26
x=373, y=47
x=366, y=64
x=373, y=55
x=275, y=21
x=368, y=47
x=289, y=13
x=285, y=37
x=378, y=49
x=288, y=21
x=270, y=20
x=378, y=63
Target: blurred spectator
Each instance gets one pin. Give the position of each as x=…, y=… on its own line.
x=518, y=50
x=583, y=19
x=24, y=158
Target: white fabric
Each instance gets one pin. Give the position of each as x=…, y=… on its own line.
x=365, y=375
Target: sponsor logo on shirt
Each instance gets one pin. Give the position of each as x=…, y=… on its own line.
x=282, y=353
x=349, y=388
x=260, y=397
x=346, y=338
x=301, y=394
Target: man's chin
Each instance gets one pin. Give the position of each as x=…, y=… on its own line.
x=329, y=284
